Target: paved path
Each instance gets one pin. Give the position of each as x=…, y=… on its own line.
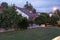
x=3, y=30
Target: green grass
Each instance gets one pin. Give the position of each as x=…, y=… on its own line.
x=33, y=34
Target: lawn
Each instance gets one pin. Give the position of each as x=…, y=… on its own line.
x=32, y=34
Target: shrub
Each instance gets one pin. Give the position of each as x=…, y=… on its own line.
x=24, y=24
x=54, y=19
x=42, y=19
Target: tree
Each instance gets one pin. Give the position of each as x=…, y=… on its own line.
x=9, y=17
x=23, y=24
x=57, y=12
x=34, y=10
x=42, y=19
x=54, y=19
x=4, y=5
x=28, y=6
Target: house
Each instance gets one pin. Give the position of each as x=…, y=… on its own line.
x=19, y=10
x=26, y=13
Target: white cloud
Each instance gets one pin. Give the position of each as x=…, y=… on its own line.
x=38, y=4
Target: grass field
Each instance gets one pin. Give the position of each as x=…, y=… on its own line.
x=33, y=34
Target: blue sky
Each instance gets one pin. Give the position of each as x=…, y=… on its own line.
x=39, y=5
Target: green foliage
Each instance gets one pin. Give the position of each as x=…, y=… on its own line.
x=23, y=24
x=43, y=18
x=28, y=6
x=31, y=21
x=57, y=12
x=9, y=17
x=4, y=5
x=54, y=19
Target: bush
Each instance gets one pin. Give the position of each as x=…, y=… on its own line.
x=9, y=17
x=24, y=24
x=54, y=19
x=42, y=19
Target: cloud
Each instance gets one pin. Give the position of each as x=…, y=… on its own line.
x=40, y=5
x=36, y=3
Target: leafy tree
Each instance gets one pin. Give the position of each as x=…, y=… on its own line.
x=10, y=18
x=42, y=19
x=54, y=19
x=28, y=6
x=23, y=24
x=4, y=5
x=34, y=10
x=57, y=12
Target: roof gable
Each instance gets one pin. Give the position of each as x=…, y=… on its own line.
x=27, y=12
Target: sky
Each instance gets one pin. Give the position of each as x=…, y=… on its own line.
x=39, y=5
